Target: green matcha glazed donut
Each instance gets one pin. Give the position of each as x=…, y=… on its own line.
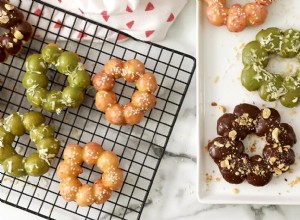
x=36, y=81
x=37, y=163
x=256, y=54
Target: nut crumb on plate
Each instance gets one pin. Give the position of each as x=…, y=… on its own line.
x=235, y=191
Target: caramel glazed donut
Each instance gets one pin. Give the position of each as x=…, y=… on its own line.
x=142, y=100
x=20, y=30
x=237, y=17
x=71, y=189
x=228, y=153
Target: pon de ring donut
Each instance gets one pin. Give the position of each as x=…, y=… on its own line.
x=71, y=189
x=132, y=71
x=237, y=17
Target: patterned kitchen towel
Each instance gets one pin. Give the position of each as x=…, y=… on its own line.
x=147, y=20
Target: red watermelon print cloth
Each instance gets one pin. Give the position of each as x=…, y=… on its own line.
x=147, y=20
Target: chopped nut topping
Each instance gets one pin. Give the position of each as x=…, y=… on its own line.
x=252, y=148
x=228, y=144
x=208, y=178
x=266, y=113
x=280, y=149
x=18, y=35
x=277, y=171
x=224, y=163
x=275, y=145
x=244, y=160
x=232, y=134
x=9, y=7
x=15, y=40
x=294, y=182
x=214, y=104
x=4, y=12
x=275, y=134
x=290, y=170
x=244, y=120
x=285, y=168
x=218, y=144
x=272, y=160
x=280, y=166
x=10, y=45
x=235, y=191
x=222, y=108
x=4, y=19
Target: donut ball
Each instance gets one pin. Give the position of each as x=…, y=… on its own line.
x=85, y=195
x=68, y=188
x=73, y=154
x=217, y=13
x=3, y=55
x=259, y=173
x=147, y=83
x=132, y=114
x=105, y=99
x=112, y=178
x=267, y=119
x=209, y=2
x=23, y=31
x=114, y=115
x=101, y=193
x=222, y=147
x=282, y=134
x=236, y=170
x=106, y=160
x=103, y=81
x=264, y=2
x=237, y=18
x=279, y=158
x=132, y=70
x=91, y=153
x=11, y=44
x=255, y=13
x=65, y=170
x=143, y=100
x=114, y=67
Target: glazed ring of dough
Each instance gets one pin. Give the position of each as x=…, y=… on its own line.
x=37, y=163
x=228, y=150
x=237, y=17
x=142, y=100
x=21, y=31
x=71, y=189
x=272, y=86
x=36, y=81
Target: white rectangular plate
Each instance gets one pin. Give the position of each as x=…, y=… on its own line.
x=219, y=69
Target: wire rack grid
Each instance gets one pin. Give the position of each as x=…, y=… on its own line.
x=139, y=147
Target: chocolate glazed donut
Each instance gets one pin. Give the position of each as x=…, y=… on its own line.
x=20, y=30
x=228, y=153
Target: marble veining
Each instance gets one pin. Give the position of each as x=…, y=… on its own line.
x=173, y=195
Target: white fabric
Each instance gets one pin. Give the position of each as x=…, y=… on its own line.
x=143, y=19
x=111, y=6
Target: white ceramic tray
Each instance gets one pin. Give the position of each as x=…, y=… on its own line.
x=219, y=69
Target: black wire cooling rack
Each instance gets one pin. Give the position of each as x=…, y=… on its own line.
x=139, y=147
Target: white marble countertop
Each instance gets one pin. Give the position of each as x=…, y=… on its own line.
x=173, y=194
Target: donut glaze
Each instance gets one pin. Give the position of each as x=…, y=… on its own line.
x=237, y=17
x=142, y=100
x=20, y=31
x=228, y=150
